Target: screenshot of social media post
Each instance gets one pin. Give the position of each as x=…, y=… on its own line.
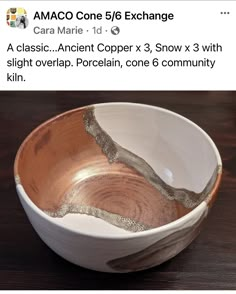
x=117, y=145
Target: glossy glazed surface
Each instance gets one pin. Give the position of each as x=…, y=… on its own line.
x=89, y=172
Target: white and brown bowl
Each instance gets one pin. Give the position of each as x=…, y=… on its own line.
x=117, y=187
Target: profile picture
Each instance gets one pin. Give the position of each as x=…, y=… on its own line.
x=22, y=22
x=17, y=18
x=13, y=10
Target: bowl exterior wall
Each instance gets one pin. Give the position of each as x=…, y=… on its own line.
x=115, y=254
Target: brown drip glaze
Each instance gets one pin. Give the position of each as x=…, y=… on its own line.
x=160, y=251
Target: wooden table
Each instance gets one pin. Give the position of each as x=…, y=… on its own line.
x=27, y=263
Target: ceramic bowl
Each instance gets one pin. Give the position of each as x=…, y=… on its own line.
x=117, y=187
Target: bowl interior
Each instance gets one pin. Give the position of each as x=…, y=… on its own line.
x=117, y=166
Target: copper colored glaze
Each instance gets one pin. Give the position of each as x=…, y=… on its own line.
x=212, y=197
x=122, y=192
x=51, y=156
x=60, y=158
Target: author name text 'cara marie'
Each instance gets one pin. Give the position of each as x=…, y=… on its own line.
x=58, y=30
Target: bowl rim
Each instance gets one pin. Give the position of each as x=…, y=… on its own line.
x=118, y=236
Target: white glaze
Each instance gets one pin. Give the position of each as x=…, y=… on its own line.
x=170, y=143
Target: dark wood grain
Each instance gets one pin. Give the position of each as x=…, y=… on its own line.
x=27, y=263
